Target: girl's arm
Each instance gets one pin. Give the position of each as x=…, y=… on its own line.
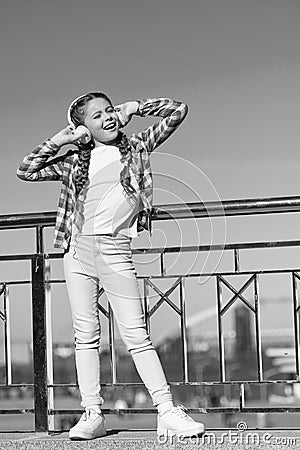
x=172, y=113
x=37, y=167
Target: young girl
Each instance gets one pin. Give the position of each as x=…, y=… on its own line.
x=105, y=200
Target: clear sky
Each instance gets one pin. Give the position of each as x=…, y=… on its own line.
x=236, y=63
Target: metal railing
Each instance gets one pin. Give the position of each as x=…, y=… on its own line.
x=40, y=281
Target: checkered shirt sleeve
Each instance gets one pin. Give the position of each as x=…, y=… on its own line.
x=37, y=167
x=172, y=114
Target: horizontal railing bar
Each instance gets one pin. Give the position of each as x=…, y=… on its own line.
x=205, y=248
x=273, y=205
x=55, y=281
x=209, y=410
x=203, y=274
x=254, y=206
x=189, y=383
x=206, y=274
x=17, y=411
x=279, y=409
x=13, y=385
x=57, y=255
x=188, y=275
x=27, y=220
x=17, y=257
x=176, y=249
x=128, y=411
x=217, y=247
x=267, y=409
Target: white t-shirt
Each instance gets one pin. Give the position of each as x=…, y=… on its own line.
x=102, y=207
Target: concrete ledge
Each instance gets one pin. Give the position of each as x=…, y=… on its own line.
x=124, y=440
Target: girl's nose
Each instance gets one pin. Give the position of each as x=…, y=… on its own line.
x=107, y=116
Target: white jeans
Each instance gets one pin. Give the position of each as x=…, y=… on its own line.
x=106, y=261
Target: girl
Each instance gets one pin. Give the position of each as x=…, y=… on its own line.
x=105, y=201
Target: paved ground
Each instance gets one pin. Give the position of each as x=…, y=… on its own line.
x=124, y=440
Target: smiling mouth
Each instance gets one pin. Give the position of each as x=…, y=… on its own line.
x=110, y=127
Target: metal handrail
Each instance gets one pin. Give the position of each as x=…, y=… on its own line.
x=272, y=205
x=38, y=260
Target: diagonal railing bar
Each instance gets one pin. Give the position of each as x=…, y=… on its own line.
x=3, y=287
x=164, y=296
x=296, y=306
x=297, y=275
x=101, y=307
x=238, y=294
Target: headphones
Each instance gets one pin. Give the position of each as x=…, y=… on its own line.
x=87, y=137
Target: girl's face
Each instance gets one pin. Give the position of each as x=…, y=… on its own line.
x=102, y=120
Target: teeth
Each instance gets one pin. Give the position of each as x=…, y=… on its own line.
x=109, y=127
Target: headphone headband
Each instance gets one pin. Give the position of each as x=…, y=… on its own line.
x=71, y=107
x=74, y=102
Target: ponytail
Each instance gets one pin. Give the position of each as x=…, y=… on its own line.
x=83, y=164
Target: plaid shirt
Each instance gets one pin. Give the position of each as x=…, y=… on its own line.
x=42, y=165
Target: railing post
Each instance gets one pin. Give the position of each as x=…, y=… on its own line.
x=112, y=347
x=39, y=239
x=39, y=343
x=49, y=343
x=7, y=336
x=184, y=336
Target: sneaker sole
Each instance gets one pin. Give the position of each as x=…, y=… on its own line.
x=196, y=431
x=85, y=436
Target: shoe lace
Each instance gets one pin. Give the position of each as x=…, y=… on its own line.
x=180, y=411
x=84, y=417
x=87, y=414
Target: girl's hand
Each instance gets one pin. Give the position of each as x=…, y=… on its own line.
x=70, y=135
x=125, y=112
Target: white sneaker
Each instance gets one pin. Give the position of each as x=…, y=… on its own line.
x=176, y=422
x=90, y=426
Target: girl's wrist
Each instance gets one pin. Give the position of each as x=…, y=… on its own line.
x=53, y=144
x=56, y=140
x=135, y=107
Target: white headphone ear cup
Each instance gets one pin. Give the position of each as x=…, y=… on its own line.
x=86, y=134
x=84, y=129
